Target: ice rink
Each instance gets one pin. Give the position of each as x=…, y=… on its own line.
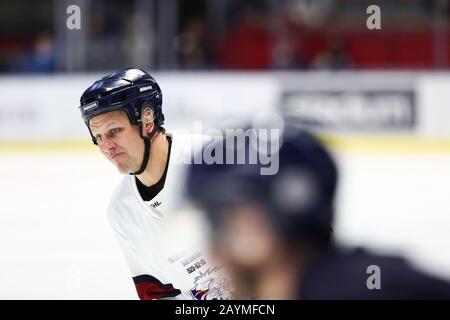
x=56, y=243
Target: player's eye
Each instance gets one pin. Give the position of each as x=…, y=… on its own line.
x=98, y=138
x=115, y=131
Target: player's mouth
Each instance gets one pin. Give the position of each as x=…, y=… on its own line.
x=118, y=154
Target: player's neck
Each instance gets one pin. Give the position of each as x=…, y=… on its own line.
x=159, y=153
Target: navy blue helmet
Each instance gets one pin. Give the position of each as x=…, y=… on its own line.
x=129, y=90
x=298, y=199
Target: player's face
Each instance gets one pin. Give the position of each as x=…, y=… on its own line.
x=118, y=140
x=245, y=238
x=244, y=244
x=245, y=235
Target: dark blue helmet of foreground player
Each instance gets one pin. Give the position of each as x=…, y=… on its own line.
x=298, y=199
x=129, y=90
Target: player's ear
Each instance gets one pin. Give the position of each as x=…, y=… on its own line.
x=147, y=120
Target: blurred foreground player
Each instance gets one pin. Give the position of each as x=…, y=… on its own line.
x=123, y=112
x=273, y=233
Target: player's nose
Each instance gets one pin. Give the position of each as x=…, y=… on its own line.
x=107, y=146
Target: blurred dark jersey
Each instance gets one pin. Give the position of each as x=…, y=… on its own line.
x=343, y=274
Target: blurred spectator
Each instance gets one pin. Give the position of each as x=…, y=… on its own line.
x=334, y=57
x=138, y=41
x=413, y=35
x=310, y=13
x=287, y=51
x=248, y=44
x=41, y=58
x=192, y=45
x=106, y=49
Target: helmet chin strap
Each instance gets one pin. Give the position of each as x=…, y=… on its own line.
x=147, y=142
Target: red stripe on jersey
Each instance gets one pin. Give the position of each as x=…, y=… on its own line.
x=150, y=288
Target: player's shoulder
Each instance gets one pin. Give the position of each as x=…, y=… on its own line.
x=185, y=145
x=119, y=199
x=350, y=269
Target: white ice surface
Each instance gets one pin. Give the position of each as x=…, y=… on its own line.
x=56, y=243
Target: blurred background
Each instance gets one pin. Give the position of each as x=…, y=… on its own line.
x=223, y=35
x=378, y=98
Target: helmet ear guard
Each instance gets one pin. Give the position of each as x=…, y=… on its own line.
x=147, y=118
x=147, y=140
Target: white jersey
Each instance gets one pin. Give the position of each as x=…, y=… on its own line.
x=164, y=258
